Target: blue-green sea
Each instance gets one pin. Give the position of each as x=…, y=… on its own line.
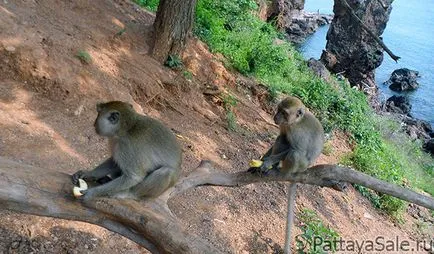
x=409, y=34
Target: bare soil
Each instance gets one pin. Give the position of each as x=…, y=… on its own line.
x=47, y=101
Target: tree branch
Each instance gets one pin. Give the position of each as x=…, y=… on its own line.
x=150, y=223
x=373, y=35
x=331, y=176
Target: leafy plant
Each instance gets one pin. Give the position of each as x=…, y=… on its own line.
x=84, y=57
x=327, y=149
x=151, y=5
x=173, y=62
x=315, y=236
x=188, y=75
x=229, y=102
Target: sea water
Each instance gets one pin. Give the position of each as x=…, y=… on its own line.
x=409, y=34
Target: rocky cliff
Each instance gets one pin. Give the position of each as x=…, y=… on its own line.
x=350, y=50
x=289, y=17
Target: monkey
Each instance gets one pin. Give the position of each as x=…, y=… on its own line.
x=145, y=155
x=298, y=145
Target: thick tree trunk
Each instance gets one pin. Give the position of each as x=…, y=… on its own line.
x=172, y=27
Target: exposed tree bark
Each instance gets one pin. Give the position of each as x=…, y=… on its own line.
x=172, y=27
x=150, y=223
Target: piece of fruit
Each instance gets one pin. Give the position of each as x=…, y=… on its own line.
x=255, y=163
x=82, y=185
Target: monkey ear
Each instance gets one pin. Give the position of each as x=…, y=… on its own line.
x=98, y=107
x=300, y=112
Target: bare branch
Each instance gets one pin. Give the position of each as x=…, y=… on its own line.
x=331, y=176
x=373, y=35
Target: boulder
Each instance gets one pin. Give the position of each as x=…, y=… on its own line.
x=398, y=104
x=403, y=80
x=319, y=69
x=350, y=50
x=289, y=16
x=417, y=128
x=429, y=146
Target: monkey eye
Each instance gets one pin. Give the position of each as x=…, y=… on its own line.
x=114, y=117
x=299, y=112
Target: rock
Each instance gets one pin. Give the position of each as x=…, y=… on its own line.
x=318, y=69
x=288, y=15
x=429, y=146
x=398, y=104
x=357, y=54
x=368, y=216
x=403, y=80
x=15, y=244
x=421, y=124
x=416, y=128
x=79, y=110
x=303, y=24
x=10, y=49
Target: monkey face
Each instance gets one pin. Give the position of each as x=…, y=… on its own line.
x=290, y=111
x=107, y=123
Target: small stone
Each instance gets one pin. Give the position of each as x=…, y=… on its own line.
x=86, y=246
x=10, y=49
x=79, y=110
x=368, y=216
x=15, y=245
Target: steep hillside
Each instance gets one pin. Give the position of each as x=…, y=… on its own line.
x=58, y=58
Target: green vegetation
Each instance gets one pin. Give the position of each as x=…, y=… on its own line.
x=255, y=49
x=327, y=149
x=173, y=62
x=84, y=57
x=229, y=102
x=315, y=236
x=151, y=5
x=121, y=32
x=187, y=75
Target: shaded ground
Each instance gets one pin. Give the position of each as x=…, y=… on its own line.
x=47, y=101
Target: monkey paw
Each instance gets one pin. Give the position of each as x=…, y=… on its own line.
x=259, y=171
x=78, y=175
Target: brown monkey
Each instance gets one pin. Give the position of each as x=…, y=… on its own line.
x=299, y=143
x=145, y=155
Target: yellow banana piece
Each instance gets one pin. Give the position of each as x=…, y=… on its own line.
x=255, y=163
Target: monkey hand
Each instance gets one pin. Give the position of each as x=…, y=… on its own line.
x=266, y=167
x=259, y=166
x=254, y=166
x=81, y=175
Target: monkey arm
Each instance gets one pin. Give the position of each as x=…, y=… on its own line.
x=267, y=153
x=121, y=183
x=274, y=159
x=109, y=166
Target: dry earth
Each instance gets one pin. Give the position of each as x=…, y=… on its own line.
x=47, y=100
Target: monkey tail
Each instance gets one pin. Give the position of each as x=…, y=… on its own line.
x=292, y=189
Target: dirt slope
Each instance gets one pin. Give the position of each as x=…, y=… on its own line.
x=47, y=100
